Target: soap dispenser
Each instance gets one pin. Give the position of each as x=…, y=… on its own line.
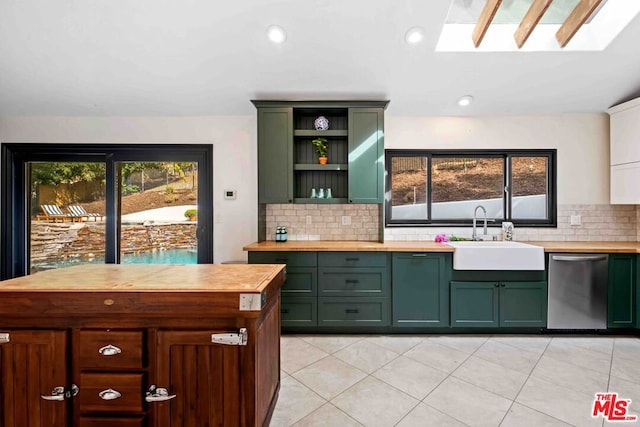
x=507, y=231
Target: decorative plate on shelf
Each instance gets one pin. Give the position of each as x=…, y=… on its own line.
x=321, y=123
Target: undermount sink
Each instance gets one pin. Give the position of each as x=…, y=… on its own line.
x=501, y=255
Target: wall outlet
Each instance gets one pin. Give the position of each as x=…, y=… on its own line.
x=346, y=220
x=575, y=220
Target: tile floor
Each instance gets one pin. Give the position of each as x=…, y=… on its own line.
x=471, y=380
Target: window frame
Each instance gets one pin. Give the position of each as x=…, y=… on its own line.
x=507, y=155
x=14, y=192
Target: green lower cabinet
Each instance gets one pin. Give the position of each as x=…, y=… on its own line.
x=301, y=281
x=474, y=304
x=299, y=311
x=353, y=282
x=621, y=291
x=523, y=304
x=353, y=311
x=498, y=304
x=420, y=289
x=638, y=291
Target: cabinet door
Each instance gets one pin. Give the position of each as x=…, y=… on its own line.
x=474, y=304
x=299, y=311
x=523, y=304
x=625, y=133
x=366, y=155
x=624, y=190
x=419, y=283
x=32, y=364
x=621, y=290
x=275, y=155
x=205, y=378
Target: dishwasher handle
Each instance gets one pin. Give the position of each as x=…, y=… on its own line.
x=579, y=258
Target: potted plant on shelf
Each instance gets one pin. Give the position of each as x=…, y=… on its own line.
x=191, y=214
x=320, y=147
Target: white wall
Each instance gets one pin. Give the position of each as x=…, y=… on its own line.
x=582, y=141
x=234, y=158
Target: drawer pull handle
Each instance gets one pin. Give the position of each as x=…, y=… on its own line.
x=284, y=311
x=60, y=393
x=352, y=281
x=158, y=394
x=419, y=255
x=109, y=350
x=109, y=394
x=352, y=259
x=351, y=311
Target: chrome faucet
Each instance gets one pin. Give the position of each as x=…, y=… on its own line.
x=474, y=234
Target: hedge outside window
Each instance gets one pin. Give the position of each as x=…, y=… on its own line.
x=437, y=187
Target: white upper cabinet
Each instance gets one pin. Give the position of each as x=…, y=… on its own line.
x=625, y=132
x=625, y=153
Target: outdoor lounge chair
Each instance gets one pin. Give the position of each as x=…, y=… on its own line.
x=55, y=214
x=81, y=212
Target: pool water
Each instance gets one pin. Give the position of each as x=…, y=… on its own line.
x=171, y=256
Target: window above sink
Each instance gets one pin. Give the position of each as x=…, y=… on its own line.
x=442, y=187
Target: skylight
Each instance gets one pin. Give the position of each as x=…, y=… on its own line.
x=604, y=24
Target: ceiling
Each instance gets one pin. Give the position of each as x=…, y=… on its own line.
x=204, y=57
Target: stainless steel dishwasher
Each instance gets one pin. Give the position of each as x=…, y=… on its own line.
x=577, y=291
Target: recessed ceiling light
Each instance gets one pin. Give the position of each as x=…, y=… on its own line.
x=414, y=35
x=276, y=34
x=466, y=100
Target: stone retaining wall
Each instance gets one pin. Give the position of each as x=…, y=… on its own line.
x=51, y=242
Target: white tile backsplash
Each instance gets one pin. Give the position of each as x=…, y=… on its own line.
x=324, y=222
x=599, y=223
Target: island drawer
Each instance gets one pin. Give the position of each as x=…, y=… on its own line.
x=292, y=259
x=353, y=259
x=112, y=422
x=352, y=282
x=128, y=386
x=111, y=349
x=299, y=311
x=354, y=311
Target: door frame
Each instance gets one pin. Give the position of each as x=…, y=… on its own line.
x=14, y=192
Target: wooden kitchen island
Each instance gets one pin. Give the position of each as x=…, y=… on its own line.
x=141, y=345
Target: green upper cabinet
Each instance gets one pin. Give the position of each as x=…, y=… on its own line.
x=420, y=283
x=366, y=155
x=275, y=155
x=288, y=166
x=621, y=290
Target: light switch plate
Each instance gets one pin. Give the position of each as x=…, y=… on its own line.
x=230, y=194
x=575, y=219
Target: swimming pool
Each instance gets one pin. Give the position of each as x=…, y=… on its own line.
x=171, y=256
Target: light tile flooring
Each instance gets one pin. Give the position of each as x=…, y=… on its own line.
x=471, y=380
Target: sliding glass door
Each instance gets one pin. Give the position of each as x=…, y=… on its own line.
x=158, y=212
x=66, y=214
x=70, y=204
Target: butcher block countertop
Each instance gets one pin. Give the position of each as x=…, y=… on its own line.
x=143, y=291
x=148, y=278
x=429, y=246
